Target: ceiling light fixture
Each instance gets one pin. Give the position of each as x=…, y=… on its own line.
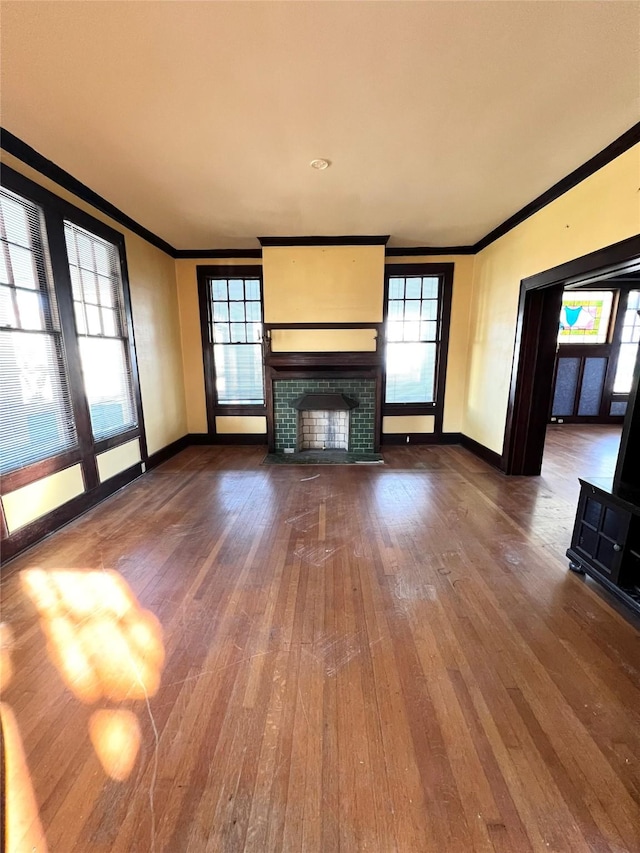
x=319, y=164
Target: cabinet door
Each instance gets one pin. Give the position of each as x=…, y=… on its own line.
x=601, y=532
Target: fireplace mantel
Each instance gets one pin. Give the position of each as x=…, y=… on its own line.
x=317, y=366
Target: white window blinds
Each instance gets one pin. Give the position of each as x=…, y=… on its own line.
x=94, y=265
x=36, y=419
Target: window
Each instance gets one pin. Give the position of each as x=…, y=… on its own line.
x=97, y=301
x=418, y=305
x=67, y=367
x=585, y=317
x=628, y=345
x=36, y=419
x=234, y=338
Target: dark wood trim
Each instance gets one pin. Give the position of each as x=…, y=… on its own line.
x=489, y=456
x=230, y=438
x=204, y=274
x=167, y=452
x=28, y=155
x=343, y=240
x=531, y=379
x=38, y=470
x=424, y=269
x=204, y=312
x=216, y=253
x=584, y=350
x=589, y=269
x=442, y=353
x=446, y=271
x=627, y=473
x=239, y=411
x=345, y=372
x=64, y=295
x=379, y=327
x=42, y=527
x=401, y=409
x=323, y=360
x=409, y=251
x=116, y=440
x=131, y=344
x=623, y=143
x=205, y=271
x=535, y=347
x=4, y=533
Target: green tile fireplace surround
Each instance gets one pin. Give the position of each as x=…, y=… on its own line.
x=362, y=425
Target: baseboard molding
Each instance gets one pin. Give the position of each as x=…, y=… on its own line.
x=227, y=438
x=489, y=456
x=50, y=523
x=400, y=439
x=167, y=452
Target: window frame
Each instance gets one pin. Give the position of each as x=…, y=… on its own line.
x=445, y=272
x=55, y=211
x=46, y=291
x=205, y=273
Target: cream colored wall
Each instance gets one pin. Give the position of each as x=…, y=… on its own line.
x=191, y=339
x=154, y=308
x=37, y=499
x=323, y=284
x=118, y=459
x=455, y=385
x=323, y=340
x=354, y=276
x=227, y=425
x=603, y=209
x=403, y=424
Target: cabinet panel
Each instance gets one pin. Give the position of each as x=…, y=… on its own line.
x=606, y=541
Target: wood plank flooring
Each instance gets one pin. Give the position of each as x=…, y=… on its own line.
x=231, y=657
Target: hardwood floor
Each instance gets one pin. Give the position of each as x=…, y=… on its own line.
x=233, y=657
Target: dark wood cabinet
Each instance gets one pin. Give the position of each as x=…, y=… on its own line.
x=606, y=535
x=606, y=539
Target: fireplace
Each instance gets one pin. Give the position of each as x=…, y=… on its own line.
x=324, y=414
x=323, y=421
x=341, y=392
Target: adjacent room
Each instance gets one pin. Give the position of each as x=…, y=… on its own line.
x=319, y=426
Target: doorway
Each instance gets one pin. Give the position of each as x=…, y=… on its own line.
x=536, y=341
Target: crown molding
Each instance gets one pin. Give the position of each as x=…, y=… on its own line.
x=28, y=155
x=217, y=253
x=343, y=240
x=623, y=143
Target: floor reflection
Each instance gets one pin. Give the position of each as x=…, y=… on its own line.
x=108, y=650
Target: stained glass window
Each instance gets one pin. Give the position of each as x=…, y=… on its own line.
x=584, y=317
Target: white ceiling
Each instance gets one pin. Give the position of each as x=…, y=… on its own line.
x=440, y=119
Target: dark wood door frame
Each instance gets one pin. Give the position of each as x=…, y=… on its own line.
x=535, y=347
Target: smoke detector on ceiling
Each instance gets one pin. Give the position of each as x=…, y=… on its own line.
x=319, y=164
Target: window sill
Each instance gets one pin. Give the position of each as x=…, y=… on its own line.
x=38, y=470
